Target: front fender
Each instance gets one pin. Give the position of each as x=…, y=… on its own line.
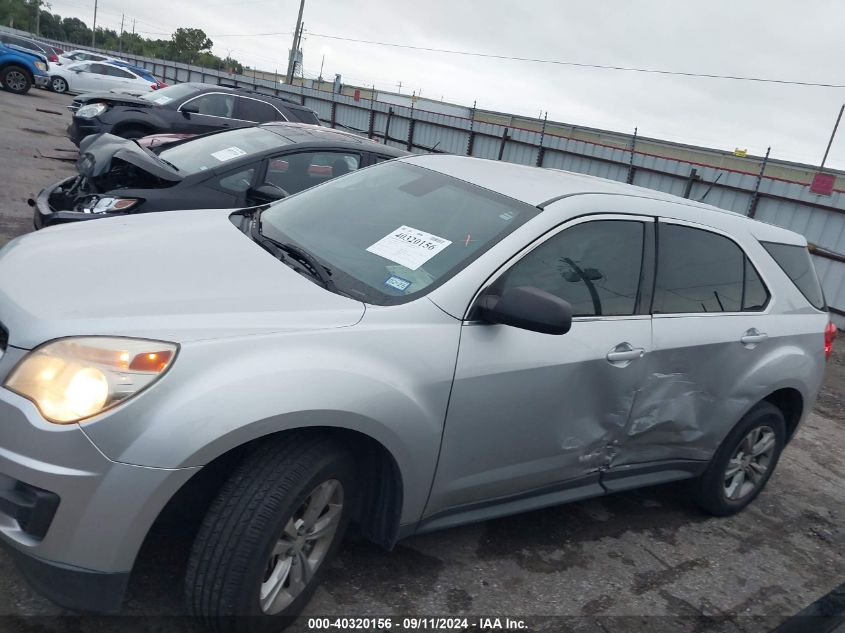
x=221, y=394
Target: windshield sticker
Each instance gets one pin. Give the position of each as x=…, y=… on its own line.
x=409, y=247
x=397, y=283
x=228, y=154
x=163, y=99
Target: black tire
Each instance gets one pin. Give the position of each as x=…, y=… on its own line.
x=710, y=491
x=232, y=553
x=16, y=79
x=133, y=131
x=58, y=85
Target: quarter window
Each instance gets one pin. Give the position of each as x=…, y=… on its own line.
x=700, y=271
x=595, y=266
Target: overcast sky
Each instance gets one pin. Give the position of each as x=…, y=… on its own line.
x=781, y=39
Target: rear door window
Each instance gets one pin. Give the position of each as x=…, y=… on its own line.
x=701, y=271
x=795, y=261
x=255, y=110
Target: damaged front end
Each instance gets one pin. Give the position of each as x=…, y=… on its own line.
x=113, y=175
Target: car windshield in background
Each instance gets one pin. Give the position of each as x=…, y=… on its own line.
x=170, y=94
x=391, y=232
x=212, y=151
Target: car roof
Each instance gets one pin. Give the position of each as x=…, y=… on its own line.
x=246, y=92
x=542, y=186
x=306, y=133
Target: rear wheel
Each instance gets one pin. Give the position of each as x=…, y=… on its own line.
x=744, y=462
x=58, y=84
x=15, y=79
x=262, y=547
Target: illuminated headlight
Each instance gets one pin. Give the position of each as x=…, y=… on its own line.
x=109, y=205
x=74, y=378
x=91, y=110
x=41, y=65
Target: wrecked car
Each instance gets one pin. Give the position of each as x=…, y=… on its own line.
x=429, y=342
x=232, y=168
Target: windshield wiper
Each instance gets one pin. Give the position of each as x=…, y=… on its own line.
x=168, y=163
x=287, y=251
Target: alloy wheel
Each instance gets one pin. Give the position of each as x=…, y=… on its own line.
x=59, y=85
x=16, y=81
x=304, y=544
x=747, y=469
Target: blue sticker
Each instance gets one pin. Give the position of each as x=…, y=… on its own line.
x=398, y=283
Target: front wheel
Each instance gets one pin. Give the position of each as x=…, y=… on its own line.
x=15, y=79
x=263, y=545
x=744, y=462
x=59, y=85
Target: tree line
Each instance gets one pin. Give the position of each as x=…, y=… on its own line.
x=186, y=45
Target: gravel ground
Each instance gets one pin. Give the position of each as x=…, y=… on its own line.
x=645, y=560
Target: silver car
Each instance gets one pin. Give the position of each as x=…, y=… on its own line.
x=429, y=342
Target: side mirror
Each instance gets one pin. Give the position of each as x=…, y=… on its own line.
x=265, y=193
x=188, y=110
x=528, y=308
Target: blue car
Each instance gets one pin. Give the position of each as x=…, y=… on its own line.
x=19, y=69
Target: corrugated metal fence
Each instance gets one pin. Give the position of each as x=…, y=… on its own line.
x=820, y=218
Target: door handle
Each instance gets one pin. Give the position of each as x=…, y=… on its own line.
x=624, y=352
x=753, y=336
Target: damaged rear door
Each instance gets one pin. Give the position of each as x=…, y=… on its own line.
x=710, y=330
x=533, y=417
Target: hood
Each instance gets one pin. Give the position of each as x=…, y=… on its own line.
x=27, y=51
x=114, y=99
x=177, y=276
x=97, y=151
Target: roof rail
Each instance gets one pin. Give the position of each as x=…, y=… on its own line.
x=256, y=92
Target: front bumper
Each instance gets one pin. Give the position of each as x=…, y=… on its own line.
x=45, y=215
x=80, y=128
x=42, y=81
x=104, y=511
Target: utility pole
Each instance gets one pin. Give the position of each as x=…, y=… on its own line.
x=38, y=17
x=297, y=35
x=120, y=39
x=94, y=27
x=832, y=134
x=400, y=87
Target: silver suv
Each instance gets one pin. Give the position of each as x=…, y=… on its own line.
x=429, y=342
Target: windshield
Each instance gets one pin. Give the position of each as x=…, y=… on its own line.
x=394, y=231
x=208, y=152
x=169, y=94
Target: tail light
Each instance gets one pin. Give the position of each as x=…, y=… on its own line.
x=829, y=335
x=54, y=58
x=154, y=86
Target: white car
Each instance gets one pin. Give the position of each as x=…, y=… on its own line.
x=100, y=77
x=74, y=57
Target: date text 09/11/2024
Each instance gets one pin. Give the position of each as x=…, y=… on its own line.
x=417, y=624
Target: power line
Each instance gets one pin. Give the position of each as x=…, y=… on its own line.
x=558, y=62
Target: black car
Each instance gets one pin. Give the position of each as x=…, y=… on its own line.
x=190, y=108
x=232, y=168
